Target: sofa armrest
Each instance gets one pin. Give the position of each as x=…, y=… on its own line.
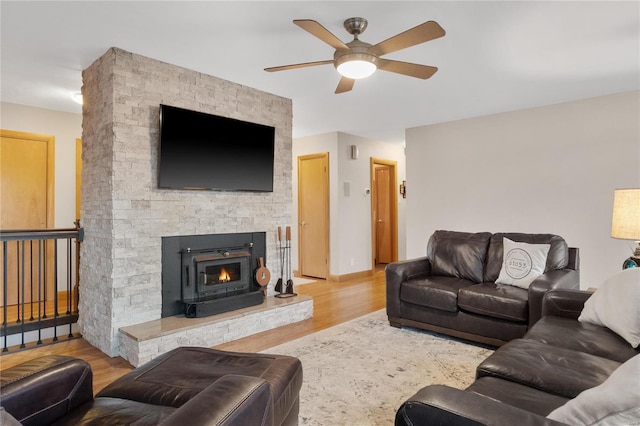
x=232, y=400
x=398, y=272
x=574, y=259
x=565, y=279
x=564, y=303
x=443, y=405
x=44, y=389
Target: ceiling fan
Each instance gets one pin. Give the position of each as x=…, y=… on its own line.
x=357, y=59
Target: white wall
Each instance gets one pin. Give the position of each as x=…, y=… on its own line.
x=65, y=127
x=350, y=216
x=354, y=211
x=551, y=169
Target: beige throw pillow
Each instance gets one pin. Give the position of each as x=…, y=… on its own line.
x=522, y=263
x=616, y=305
x=616, y=402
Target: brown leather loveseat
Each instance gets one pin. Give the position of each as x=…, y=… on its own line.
x=453, y=289
x=187, y=386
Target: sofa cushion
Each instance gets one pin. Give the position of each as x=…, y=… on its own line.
x=616, y=305
x=522, y=263
x=458, y=254
x=433, y=292
x=116, y=411
x=614, y=402
x=548, y=368
x=578, y=336
x=557, y=258
x=521, y=396
x=495, y=300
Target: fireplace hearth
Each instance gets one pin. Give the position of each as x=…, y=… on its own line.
x=204, y=275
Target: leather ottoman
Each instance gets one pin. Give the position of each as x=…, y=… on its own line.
x=177, y=376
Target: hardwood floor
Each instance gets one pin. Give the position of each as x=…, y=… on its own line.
x=333, y=303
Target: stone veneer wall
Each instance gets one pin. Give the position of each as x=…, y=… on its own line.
x=124, y=214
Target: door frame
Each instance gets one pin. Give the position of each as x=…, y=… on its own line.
x=393, y=196
x=325, y=157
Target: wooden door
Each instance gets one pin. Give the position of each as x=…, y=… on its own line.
x=313, y=215
x=26, y=197
x=384, y=212
x=382, y=218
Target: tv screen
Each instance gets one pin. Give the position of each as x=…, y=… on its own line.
x=205, y=151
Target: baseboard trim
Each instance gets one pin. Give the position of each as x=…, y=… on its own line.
x=351, y=276
x=338, y=278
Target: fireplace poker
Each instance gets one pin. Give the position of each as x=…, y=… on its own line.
x=289, y=280
x=278, y=286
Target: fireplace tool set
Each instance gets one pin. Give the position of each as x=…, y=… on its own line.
x=285, y=289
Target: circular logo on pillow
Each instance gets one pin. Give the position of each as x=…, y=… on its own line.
x=517, y=263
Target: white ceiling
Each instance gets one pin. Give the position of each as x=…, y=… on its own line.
x=495, y=57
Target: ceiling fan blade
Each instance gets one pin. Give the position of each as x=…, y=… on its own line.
x=416, y=35
x=345, y=85
x=321, y=32
x=294, y=66
x=407, y=68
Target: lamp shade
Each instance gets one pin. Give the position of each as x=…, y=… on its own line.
x=625, y=221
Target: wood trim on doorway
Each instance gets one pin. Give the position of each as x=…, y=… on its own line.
x=393, y=165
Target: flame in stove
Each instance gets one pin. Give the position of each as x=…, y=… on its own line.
x=224, y=276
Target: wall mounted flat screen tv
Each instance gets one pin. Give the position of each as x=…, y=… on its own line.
x=205, y=151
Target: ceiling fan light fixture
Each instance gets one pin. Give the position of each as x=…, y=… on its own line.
x=356, y=65
x=77, y=97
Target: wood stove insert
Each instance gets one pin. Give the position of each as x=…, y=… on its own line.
x=208, y=274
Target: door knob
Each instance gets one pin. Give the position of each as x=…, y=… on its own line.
x=303, y=223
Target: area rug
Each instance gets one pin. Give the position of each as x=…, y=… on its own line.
x=360, y=372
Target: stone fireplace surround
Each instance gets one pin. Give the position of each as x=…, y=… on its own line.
x=125, y=215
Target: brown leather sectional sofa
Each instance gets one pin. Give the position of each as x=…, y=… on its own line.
x=453, y=291
x=526, y=379
x=186, y=386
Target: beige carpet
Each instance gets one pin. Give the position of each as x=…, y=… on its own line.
x=360, y=372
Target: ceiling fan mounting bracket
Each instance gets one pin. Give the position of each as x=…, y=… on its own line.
x=355, y=26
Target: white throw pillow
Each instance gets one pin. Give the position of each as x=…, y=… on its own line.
x=616, y=305
x=522, y=262
x=614, y=402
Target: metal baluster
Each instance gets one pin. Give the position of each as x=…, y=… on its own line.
x=18, y=280
x=69, y=291
x=44, y=285
x=31, y=279
x=55, y=291
x=40, y=260
x=5, y=289
x=22, y=345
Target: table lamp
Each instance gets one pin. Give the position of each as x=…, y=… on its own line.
x=625, y=221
